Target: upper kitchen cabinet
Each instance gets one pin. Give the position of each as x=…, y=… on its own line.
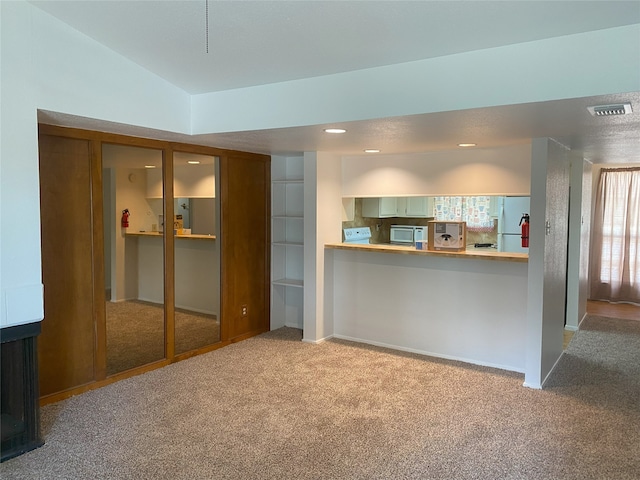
x=382, y=207
x=193, y=177
x=385, y=207
x=415, y=207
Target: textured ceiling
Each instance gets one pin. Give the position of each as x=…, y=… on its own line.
x=260, y=42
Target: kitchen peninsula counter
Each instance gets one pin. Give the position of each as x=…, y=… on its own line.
x=468, y=306
x=196, y=267
x=471, y=253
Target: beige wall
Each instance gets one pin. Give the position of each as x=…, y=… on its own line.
x=495, y=171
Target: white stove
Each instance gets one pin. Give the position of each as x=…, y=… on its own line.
x=359, y=235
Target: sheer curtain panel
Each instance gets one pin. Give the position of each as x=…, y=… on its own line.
x=615, y=266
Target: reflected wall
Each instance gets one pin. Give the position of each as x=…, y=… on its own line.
x=197, y=253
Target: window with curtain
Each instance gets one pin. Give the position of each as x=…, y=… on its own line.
x=476, y=211
x=615, y=266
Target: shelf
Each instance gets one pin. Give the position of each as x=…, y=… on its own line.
x=287, y=241
x=288, y=282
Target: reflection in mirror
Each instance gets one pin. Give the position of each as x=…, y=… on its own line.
x=134, y=259
x=197, y=255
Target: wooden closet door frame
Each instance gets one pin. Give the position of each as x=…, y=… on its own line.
x=231, y=290
x=97, y=139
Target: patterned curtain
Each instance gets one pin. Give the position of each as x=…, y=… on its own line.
x=473, y=210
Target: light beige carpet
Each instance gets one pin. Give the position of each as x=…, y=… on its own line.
x=273, y=407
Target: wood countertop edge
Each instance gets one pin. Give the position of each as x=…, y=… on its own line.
x=472, y=254
x=158, y=234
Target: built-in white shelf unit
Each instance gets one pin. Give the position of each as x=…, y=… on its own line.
x=287, y=241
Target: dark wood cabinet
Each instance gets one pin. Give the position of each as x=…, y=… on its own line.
x=19, y=402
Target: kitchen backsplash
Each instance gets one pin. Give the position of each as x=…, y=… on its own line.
x=380, y=227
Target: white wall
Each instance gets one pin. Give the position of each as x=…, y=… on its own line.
x=21, y=298
x=482, y=171
x=189, y=181
x=579, y=233
x=585, y=244
x=547, y=259
x=129, y=193
x=203, y=216
x=322, y=224
x=551, y=69
x=47, y=65
x=458, y=308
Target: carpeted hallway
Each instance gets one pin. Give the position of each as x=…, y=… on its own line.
x=273, y=407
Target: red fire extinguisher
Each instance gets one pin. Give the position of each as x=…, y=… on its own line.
x=125, y=218
x=524, y=223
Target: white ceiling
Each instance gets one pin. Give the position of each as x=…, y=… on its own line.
x=260, y=42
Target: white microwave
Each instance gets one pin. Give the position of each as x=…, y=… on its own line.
x=407, y=234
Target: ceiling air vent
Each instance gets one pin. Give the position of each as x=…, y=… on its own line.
x=608, y=110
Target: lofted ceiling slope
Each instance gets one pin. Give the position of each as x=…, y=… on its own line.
x=254, y=43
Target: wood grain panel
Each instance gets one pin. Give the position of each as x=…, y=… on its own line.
x=67, y=342
x=169, y=256
x=99, y=312
x=245, y=184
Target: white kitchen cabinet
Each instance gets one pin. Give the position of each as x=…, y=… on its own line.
x=380, y=207
x=415, y=207
x=385, y=207
x=287, y=242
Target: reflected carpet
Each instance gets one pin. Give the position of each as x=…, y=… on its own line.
x=135, y=333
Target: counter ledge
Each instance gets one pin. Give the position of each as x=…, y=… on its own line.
x=489, y=254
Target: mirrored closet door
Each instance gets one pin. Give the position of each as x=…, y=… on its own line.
x=133, y=256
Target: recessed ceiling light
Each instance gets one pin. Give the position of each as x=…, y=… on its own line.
x=149, y=166
x=372, y=150
x=467, y=144
x=334, y=130
x=193, y=162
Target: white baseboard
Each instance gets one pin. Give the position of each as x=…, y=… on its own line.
x=551, y=371
x=535, y=387
x=582, y=319
x=316, y=342
x=431, y=354
x=197, y=310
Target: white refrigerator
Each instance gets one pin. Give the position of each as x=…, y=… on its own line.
x=510, y=210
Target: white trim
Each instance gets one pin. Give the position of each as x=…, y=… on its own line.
x=551, y=370
x=535, y=387
x=316, y=342
x=582, y=320
x=196, y=310
x=571, y=328
x=430, y=354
